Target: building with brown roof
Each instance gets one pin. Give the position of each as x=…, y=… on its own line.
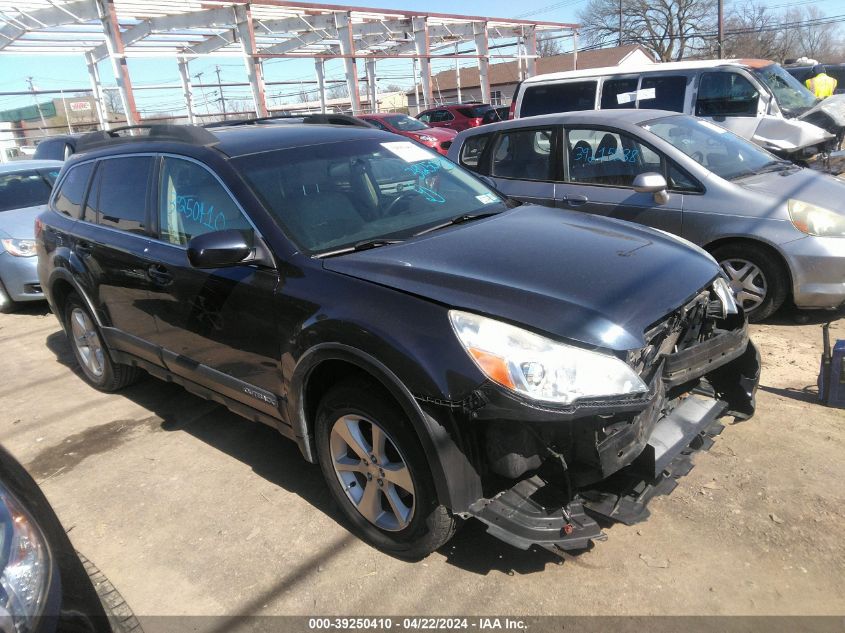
x=504, y=77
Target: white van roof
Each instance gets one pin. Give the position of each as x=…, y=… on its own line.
x=648, y=68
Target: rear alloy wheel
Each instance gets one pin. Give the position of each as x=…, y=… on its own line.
x=756, y=278
x=377, y=472
x=98, y=369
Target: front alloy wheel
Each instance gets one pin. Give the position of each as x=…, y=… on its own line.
x=747, y=282
x=759, y=281
x=373, y=473
x=87, y=341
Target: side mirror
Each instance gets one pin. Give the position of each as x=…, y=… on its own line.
x=652, y=182
x=220, y=248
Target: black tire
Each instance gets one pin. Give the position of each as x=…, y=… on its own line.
x=120, y=615
x=114, y=376
x=7, y=304
x=776, y=278
x=431, y=524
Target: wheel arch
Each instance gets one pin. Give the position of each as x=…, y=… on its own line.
x=767, y=246
x=61, y=285
x=324, y=365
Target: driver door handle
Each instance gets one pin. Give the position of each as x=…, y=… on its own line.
x=159, y=275
x=575, y=200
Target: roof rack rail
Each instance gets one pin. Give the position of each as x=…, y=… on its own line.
x=312, y=119
x=193, y=134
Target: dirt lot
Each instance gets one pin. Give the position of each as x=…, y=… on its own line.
x=189, y=509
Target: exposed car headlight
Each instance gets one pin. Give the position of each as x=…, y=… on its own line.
x=19, y=248
x=25, y=564
x=427, y=138
x=726, y=296
x=538, y=367
x=815, y=220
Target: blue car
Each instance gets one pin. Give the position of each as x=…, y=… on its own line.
x=24, y=189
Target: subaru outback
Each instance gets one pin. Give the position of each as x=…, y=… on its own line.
x=440, y=351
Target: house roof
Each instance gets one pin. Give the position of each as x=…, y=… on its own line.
x=508, y=72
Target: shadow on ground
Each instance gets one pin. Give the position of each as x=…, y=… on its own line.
x=266, y=452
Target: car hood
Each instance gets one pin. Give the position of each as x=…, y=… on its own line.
x=20, y=223
x=594, y=280
x=440, y=133
x=804, y=184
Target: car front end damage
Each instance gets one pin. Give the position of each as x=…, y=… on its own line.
x=548, y=472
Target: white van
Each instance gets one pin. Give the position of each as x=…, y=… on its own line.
x=754, y=98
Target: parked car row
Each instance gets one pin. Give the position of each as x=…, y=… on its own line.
x=530, y=353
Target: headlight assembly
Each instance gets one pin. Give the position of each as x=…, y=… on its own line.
x=427, y=138
x=538, y=367
x=25, y=564
x=815, y=220
x=19, y=248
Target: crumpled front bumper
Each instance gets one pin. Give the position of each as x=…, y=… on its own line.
x=640, y=459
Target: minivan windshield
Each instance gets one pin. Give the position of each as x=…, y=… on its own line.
x=335, y=196
x=722, y=152
x=793, y=98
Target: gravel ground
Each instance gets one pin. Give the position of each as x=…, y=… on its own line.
x=189, y=509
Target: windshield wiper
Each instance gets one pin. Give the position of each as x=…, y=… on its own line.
x=776, y=165
x=363, y=245
x=461, y=219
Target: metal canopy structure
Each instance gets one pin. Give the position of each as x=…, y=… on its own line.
x=255, y=30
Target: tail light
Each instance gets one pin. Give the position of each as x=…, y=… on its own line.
x=512, y=109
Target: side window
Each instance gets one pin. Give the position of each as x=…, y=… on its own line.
x=69, y=197
x=619, y=93
x=663, y=93
x=377, y=123
x=679, y=180
x=602, y=157
x=523, y=155
x=472, y=150
x=192, y=202
x=566, y=97
x=50, y=175
x=119, y=194
x=725, y=94
x=425, y=117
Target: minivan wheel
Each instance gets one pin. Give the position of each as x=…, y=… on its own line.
x=757, y=279
x=377, y=472
x=91, y=352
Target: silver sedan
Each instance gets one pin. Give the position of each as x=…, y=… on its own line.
x=777, y=229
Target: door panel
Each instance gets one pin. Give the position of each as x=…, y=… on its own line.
x=218, y=327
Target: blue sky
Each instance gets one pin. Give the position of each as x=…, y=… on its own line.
x=55, y=72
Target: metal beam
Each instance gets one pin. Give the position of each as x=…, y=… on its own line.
x=372, y=89
x=70, y=13
x=530, y=51
x=187, y=91
x=421, y=44
x=111, y=29
x=97, y=88
x=254, y=71
x=347, y=48
x=297, y=41
x=480, y=34
x=212, y=43
x=320, y=69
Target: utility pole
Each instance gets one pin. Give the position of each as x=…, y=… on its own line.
x=198, y=77
x=721, y=31
x=457, y=74
x=620, y=22
x=37, y=104
x=222, y=99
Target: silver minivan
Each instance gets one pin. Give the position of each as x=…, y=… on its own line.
x=777, y=229
x=756, y=99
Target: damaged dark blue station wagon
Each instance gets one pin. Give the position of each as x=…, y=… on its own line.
x=441, y=351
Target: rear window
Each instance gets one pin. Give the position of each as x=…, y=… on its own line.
x=566, y=97
x=72, y=190
x=23, y=189
x=669, y=93
x=475, y=112
x=619, y=93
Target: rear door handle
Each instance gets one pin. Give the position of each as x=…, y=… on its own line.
x=159, y=275
x=575, y=201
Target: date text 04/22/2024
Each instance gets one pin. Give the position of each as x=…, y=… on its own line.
x=418, y=623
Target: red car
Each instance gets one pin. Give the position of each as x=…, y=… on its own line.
x=438, y=139
x=455, y=117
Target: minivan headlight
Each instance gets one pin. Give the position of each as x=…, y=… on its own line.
x=25, y=563
x=19, y=248
x=812, y=219
x=538, y=367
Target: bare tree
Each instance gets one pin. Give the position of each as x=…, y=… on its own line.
x=548, y=46
x=672, y=29
x=751, y=31
x=337, y=91
x=817, y=39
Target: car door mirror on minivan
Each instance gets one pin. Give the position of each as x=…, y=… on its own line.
x=220, y=248
x=652, y=182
